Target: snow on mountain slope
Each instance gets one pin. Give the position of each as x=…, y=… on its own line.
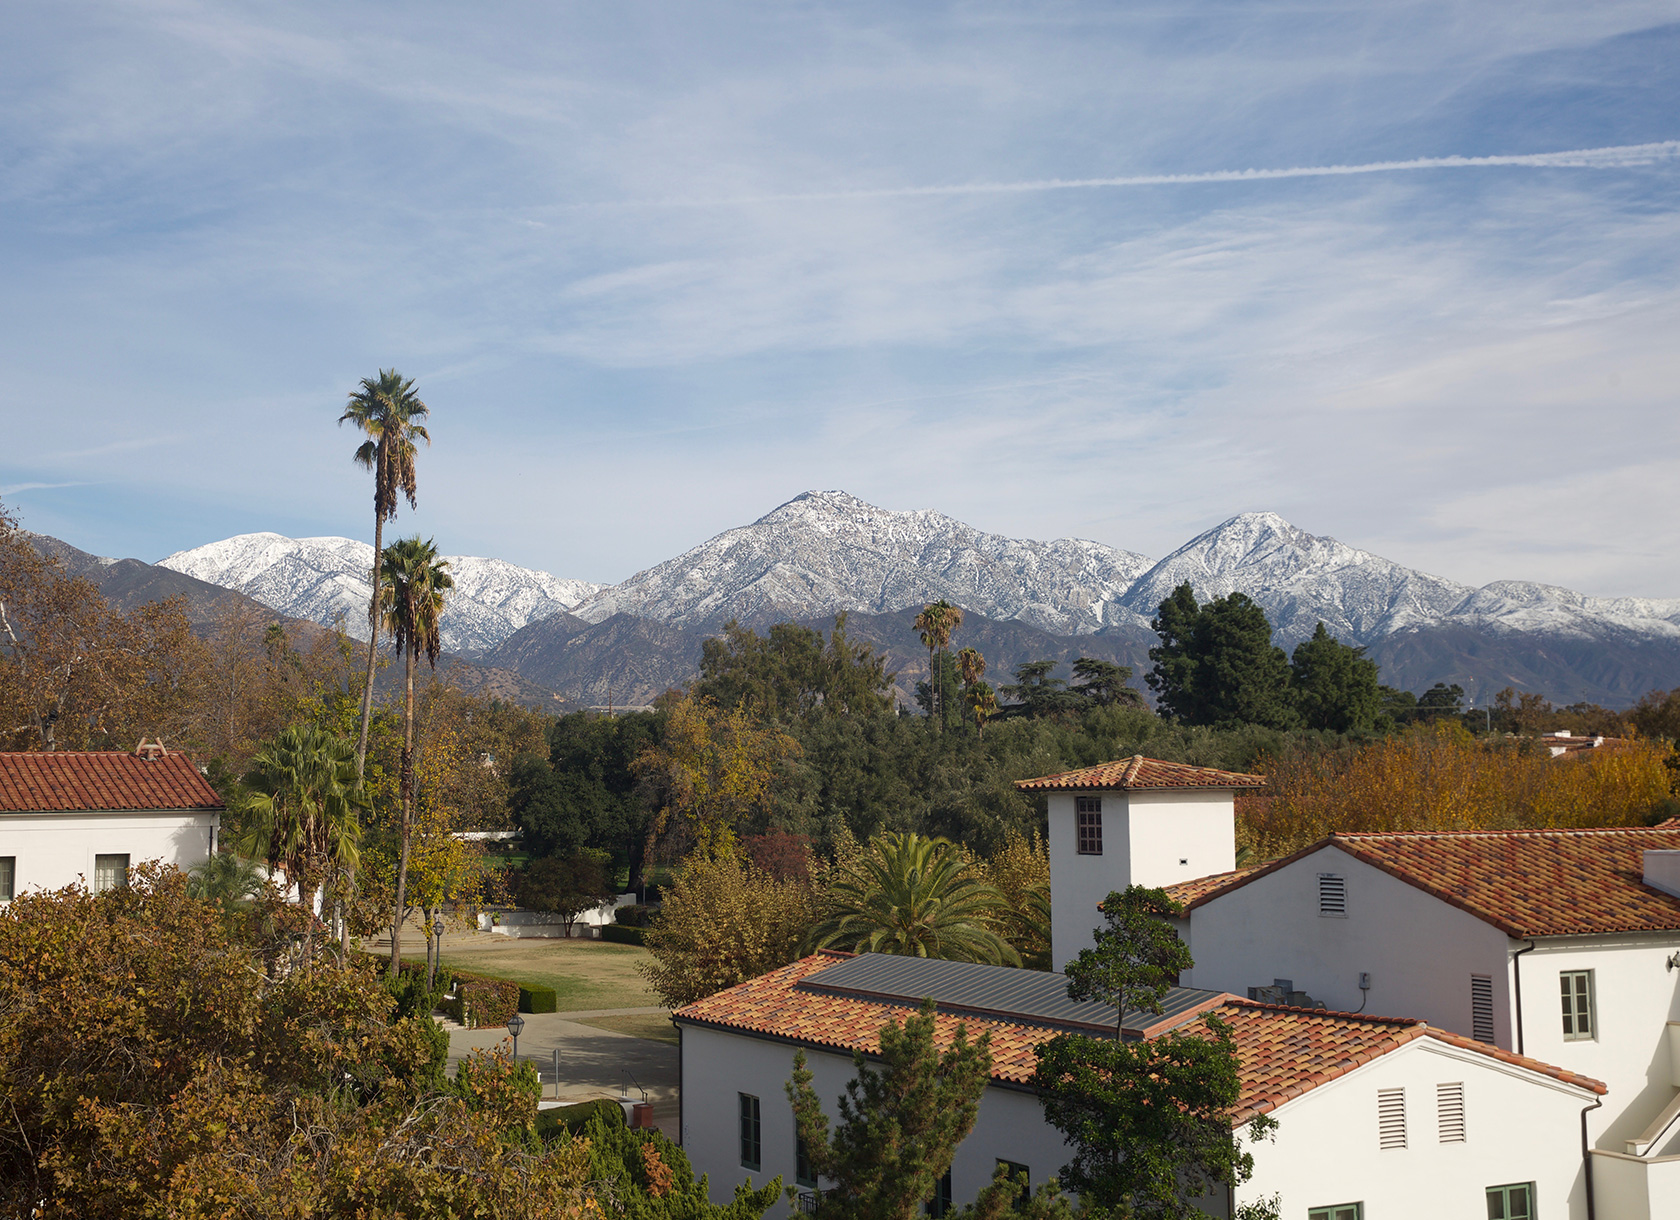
x=322, y=578
x=826, y=551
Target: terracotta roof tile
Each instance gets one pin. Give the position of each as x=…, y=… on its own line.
x=1282, y=1052
x=1523, y=882
x=99, y=781
x=1186, y=892
x=1138, y=772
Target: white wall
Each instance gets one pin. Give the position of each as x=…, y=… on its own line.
x=53, y=850
x=1629, y=1188
x=1636, y=995
x=1519, y=1127
x=1149, y=838
x=1420, y=952
x=717, y=1067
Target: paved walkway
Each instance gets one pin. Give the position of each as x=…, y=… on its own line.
x=593, y=1062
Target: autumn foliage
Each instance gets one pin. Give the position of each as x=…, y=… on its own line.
x=159, y=1058
x=1439, y=777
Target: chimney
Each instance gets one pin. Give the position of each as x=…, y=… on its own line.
x=150, y=750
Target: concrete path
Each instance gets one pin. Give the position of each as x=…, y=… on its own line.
x=593, y=1062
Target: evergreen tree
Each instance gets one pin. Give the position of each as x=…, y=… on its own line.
x=1104, y=684
x=1148, y=1120
x=1335, y=685
x=1216, y=664
x=1036, y=693
x=899, y=1126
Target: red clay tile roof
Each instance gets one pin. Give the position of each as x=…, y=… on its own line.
x=1523, y=882
x=1139, y=772
x=1282, y=1052
x=1186, y=892
x=99, y=781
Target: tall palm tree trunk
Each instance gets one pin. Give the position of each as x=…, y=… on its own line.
x=407, y=818
x=367, y=715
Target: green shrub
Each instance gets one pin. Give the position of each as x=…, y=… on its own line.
x=480, y=1001
x=534, y=997
x=634, y=916
x=576, y=1118
x=623, y=935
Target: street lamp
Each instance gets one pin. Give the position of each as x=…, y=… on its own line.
x=434, y=951
x=516, y=1025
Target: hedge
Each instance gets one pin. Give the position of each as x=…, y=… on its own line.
x=534, y=997
x=623, y=934
x=576, y=1118
x=480, y=1001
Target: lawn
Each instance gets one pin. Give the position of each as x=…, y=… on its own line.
x=584, y=973
x=656, y=1026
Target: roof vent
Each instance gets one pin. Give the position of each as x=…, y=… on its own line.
x=150, y=750
x=1662, y=871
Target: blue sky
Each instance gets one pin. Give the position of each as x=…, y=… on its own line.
x=658, y=268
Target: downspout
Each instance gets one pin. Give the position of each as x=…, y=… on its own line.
x=1516, y=971
x=1586, y=1156
x=682, y=1093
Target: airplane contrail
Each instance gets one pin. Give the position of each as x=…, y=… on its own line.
x=1617, y=156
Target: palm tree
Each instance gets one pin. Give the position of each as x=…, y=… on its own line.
x=415, y=582
x=303, y=812
x=916, y=897
x=226, y=878
x=937, y=622
x=388, y=410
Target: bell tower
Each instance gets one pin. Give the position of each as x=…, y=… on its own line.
x=1137, y=821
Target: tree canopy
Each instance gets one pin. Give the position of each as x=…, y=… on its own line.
x=1216, y=663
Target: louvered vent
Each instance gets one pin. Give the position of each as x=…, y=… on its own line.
x=1449, y=1112
x=1332, y=895
x=1481, y=1007
x=1391, y=1118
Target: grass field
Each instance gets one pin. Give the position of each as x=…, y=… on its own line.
x=654, y=1026
x=584, y=973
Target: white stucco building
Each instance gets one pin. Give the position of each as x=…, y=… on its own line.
x=91, y=815
x=1378, y=1118
x=1561, y=945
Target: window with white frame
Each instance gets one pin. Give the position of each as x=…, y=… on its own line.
x=1088, y=813
x=1578, y=1024
x=1449, y=1112
x=1332, y=895
x=1391, y=1118
x=1481, y=1007
x=8, y=877
x=110, y=872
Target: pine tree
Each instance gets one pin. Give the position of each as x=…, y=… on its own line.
x=1216, y=664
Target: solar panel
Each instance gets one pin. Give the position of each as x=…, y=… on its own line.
x=994, y=991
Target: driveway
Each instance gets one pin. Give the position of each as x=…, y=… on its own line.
x=593, y=1062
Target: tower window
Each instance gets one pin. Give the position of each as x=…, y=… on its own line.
x=1088, y=811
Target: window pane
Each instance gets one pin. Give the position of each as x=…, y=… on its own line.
x=750, y=1132
x=8, y=877
x=109, y=872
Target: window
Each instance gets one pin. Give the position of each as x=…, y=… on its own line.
x=1338, y=1211
x=1391, y=1118
x=802, y=1174
x=941, y=1201
x=8, y=877
x=1088, y=810
x=752, y=1133
x=1577, y=1005
x=1514, y=1202
x=1449, y=1112
x=109, y=873
x=1332, y=896
x=1481, y=1007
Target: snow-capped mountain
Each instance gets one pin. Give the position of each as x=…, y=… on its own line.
x=324, y=578
x=1301, y=580
x=825, y=550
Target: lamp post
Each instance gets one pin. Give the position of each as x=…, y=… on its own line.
x=516, y=1024
x=435, y=951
